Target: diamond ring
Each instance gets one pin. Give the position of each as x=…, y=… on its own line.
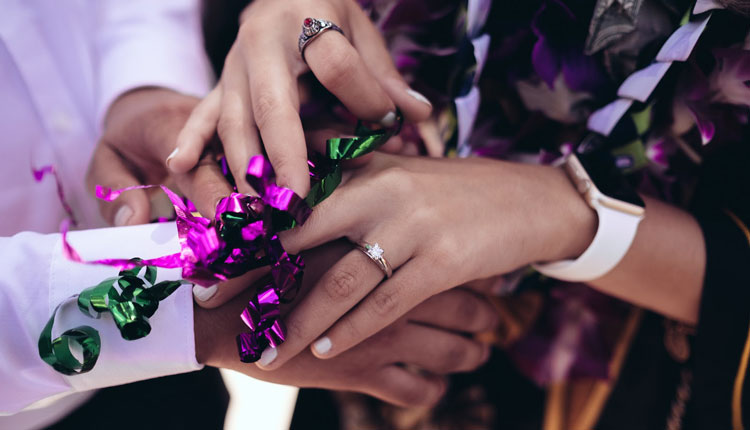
x=312, y=28
x=375, y=252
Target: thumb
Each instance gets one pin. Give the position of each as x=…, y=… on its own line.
x=108, y=170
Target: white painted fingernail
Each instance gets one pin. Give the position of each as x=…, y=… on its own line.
x=389, y=119
x=204, y=293
x=418, y=96
x=123, y=215
x=322, y=345
x=268, y=356
x=172, y=155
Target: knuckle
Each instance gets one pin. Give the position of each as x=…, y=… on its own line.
x=384, y=303
x=266, y=105
x=341, y=67
x=294, y=329
x=227, y=124
x=342, y=283
x=454, y=358
x=443, y=252
x=396, y=179
x=422, y=395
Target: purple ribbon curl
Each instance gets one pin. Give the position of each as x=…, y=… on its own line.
x=242, y=236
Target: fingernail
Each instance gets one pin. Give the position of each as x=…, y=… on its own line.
x=123, y=215
x=268, y=356
x=389, y=119
x=322, y=345
x=418, y=96
x=172, y=155
x=204, y=293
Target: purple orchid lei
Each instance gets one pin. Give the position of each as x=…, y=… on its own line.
x=537, y=89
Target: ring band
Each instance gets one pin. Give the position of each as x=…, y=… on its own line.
x=375, y=252
x=312, y=28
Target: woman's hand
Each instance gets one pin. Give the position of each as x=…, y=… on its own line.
x=255, y=105
x=441, y=223
x=431, y=340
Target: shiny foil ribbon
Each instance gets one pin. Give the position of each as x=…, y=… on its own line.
x=131, y=299
x=242, y=236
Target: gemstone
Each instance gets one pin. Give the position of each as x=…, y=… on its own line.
x=308, y=22
x=375, y=251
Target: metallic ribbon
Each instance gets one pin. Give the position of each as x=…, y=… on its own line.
x=242, y=236
x=131, y=298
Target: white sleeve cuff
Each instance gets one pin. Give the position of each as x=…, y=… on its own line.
x=168, y=349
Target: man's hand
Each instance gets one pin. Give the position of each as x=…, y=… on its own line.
x=140, y=130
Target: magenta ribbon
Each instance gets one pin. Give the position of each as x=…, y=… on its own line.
x=241, y=237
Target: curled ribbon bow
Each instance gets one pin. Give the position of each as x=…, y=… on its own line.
x=242, y=236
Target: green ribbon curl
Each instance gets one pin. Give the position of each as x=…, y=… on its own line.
x=339, y=149
x=131, y=298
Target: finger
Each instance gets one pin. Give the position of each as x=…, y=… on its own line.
x=236, y=128
x=338, y=66
x=439, y=351
x=108, y=170
x=458, y=310
x=348, y=209
x=216, y=295
x=196, y=133
x=394, y=145
x=204, y=185
x=369, y=42
x=410, y=285
x=338, y=290
x=401, y=387
x=276, y=111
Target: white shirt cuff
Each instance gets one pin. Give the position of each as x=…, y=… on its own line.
x=168, y=349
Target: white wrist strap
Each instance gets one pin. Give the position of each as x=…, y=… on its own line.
x=613, y=238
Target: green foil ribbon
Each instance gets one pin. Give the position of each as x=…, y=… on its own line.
x=131, y=298
x=326, y=172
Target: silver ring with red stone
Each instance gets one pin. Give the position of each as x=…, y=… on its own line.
x=375, y=252
x=312, y=28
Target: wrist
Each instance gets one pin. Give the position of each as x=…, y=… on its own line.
x=573, y=225
x=203, y=339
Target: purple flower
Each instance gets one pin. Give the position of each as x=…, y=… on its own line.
x=719, y=103
x=559, y=48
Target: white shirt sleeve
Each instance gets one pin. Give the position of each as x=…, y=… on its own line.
x=35, y=277
x=142, y=43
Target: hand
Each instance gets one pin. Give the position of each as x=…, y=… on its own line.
x=140, y=130
x=257, y=99
x=442, y=223
x=402, y=364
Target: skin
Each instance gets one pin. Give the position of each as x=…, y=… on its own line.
x=259, y=110
x=139, y=132
x=444, y=222
x=441, y=222
x=429, y=338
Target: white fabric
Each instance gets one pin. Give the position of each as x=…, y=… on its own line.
x=61, y=65
x=38, y=277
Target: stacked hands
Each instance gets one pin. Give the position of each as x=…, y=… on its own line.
x=442, y=222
